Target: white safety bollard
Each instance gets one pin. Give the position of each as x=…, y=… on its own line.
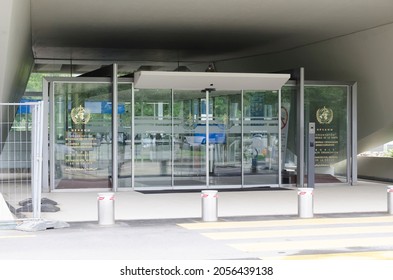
x=305, y=202
x=209, y=205
x=390, y=200
x=106, y=208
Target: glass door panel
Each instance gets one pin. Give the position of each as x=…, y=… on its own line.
x=261, y=138
x=189, y=124
x=124, y=139
x=327, y=107
x=81, y=135
x=153, y=138
x=225, y=152
x=289, y=134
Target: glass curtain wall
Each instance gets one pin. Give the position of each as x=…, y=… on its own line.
x=289, y=113
x=189, y=124
x=225, y=135
x=124, y=139
x=153, y=138
x=162, y=135
x=261, y=137
x=81, y=136
x=172, y=149
x=328, y=107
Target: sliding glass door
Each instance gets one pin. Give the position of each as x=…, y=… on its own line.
x=205, y=139
x=152, y=138
x=189, y=138
x=225, y=133
x=261, y=138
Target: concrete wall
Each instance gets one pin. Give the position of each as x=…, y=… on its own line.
x=16, y=56
x=376, y=168
x=365, y=57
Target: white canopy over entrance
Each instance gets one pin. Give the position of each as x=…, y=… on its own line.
x=209, y=80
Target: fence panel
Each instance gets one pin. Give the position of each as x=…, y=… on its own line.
x=21, y=137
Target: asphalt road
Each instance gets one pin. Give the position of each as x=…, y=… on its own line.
x=348, y=236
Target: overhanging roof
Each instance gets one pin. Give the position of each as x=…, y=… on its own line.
x=76, y=36
x=209, y=80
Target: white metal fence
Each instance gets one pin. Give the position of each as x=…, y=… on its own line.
x=21, y=148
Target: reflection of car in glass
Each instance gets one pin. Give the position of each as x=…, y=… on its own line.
x=149, y=139
x=216, y=135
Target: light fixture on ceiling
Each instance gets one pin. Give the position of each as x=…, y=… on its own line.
x=211, y=68
x=182, y=69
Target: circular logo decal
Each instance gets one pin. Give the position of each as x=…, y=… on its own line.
x=284, y=117
x=80, y=115
x=324, y=115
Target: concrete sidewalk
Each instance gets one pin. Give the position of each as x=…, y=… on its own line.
x=328, y=199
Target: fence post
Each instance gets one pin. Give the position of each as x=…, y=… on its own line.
x=36, y=158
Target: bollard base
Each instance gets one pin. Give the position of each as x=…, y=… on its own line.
x=390, y=199
x=106, y=209
x=209, y=206
x=306, y=202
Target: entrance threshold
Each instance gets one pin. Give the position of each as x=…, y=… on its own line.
x=261, y=188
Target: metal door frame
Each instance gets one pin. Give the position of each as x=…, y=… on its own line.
x=48, y=95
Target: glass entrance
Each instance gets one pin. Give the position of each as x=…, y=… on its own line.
x=225, y=130
x=189, y=138
x=81, y=138
x=170, y=139
x=153, y=138
x=203, y=139
x=328, y=106
x=166, y=138
x=124, y=137
x=261, y=138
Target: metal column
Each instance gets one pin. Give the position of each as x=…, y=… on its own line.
x=114, y=129
x=354, y=133
x=207, y=152
x=45, y=143
x=311, y=156
x=280, y=159
x=300, y=129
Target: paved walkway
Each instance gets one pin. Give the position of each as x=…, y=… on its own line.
x=349, y=222
x=328, y=198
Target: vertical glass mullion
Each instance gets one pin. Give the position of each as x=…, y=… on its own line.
x=52, y=102
x=115, y=149
x=353, y=130
x=242, y=137
x=172, y=141
x=45, y=122
x=300, y=130
x=349, y=110
x=1, y=144
x=207, y=153
x=279, y=139
x=133, y=154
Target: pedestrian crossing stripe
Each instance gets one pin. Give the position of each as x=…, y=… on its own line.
x=324, y=231
x=271, y=237
x=370, y=255
x=285, y=223
x=296, y=245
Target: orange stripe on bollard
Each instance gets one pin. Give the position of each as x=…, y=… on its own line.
x=305, y=193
